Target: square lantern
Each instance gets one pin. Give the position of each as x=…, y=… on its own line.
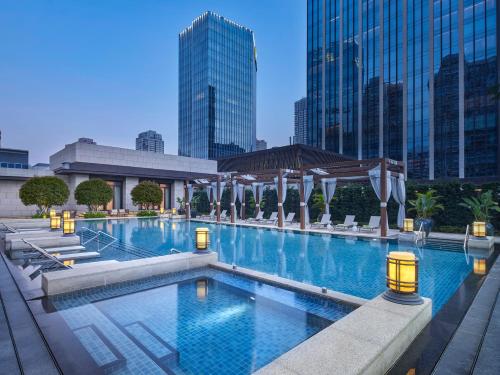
x=408, y=225
x=479, y=229
x=162, y=210
x=55, y=222
x=52, y=212
x=69, y=226
x=69, y=262
x=66, y=215
x=402, y=278
x=202, y=239
x=479, y=266
x=174, y=211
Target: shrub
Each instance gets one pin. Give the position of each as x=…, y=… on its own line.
x=147, y=213
x=147, y=194
x=39, y=216
x=93, y=193
x=44, y=192
x=94, y=215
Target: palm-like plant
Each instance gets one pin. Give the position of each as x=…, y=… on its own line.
x=426, y=204
x=482, y=206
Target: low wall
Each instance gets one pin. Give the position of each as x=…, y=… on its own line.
x=14, y=247
x=110, y=273
x=367, y=341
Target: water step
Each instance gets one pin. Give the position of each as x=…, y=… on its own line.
x=93, y=264
x=79, y=256
x=65, y=249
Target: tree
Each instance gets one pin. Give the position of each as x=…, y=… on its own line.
x=482, y=206
x=147, y=194
x=93, y=193
x=44, y=192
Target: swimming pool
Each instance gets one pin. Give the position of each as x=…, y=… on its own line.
x=348, y=265
x=201, y=321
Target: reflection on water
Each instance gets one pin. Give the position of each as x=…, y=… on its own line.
x=347, y=265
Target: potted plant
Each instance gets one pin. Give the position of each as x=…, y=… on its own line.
x=180, y=210
x=481, y=208
x=426, y=206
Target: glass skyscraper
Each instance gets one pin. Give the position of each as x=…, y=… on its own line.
x=217, y=88
x=406, y=79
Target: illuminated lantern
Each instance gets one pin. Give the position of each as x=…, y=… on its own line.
x=201, y=289
x=402, y=278
x=69, y=262
x=479, y=266
x=52, y=212
x=161, y=211
x=202, y=239
x=174, y=211
x=66, y=214
x=479, y=229
x=408, y=225
x=69, y=226
x=55, y=222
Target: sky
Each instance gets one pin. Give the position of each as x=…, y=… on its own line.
x=108, y=69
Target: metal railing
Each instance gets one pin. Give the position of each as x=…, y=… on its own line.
x=175, y=251
x=96, y=237
x=419, y=235
x=466, y=238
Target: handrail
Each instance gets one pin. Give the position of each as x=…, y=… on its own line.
x=175, y=251
x=9, y=228
x=419, y=236
x=466, y=239
x=96, y=237
x=46, y=254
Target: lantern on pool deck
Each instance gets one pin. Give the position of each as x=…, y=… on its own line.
x=162, y=210
x=66, y=214
x=402, y=278
x=69, y=262
x=69, y=226
x=55, y=222
x=202, y=239
x=408, y=225
x=174, y=211
x=201, y=289
x=479, y=229
x=479, y=266
x=52, y=212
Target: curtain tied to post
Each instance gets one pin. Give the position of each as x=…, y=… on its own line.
x=283, y=189
x=328, y=186
x=374, y=175
x=308, y=188
x=399, y=195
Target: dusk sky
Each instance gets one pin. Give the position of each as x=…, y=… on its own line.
x=107, y=69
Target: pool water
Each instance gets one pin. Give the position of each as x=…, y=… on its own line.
x=348, y=265
x=196, y=322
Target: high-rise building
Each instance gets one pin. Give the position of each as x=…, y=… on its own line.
x=217, y=88
x=409, y=80
x=300, y=122
x=260, y=144
x=149, y=141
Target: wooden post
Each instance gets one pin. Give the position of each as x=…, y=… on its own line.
x=186, y=201
x=233, y=206
x=243, y=204
x=383, y=198
x=302, y=201
x=257, y=201
x=280, y=199
x=218, y=194
x=211, y=198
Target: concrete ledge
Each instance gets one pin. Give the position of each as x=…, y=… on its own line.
x=43, y=241
x=30, y=234
x=110, y=273
x=367, y=341
x=291, y=284
x=26, y=223
x=481, y=243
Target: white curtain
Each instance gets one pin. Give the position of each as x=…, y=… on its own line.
x=283, y=189
x=214, y=189
x=260, y=193
x=328, y=186
x=374, y=175
x=308, y=188
x=234, y=195
x=241, y=191
x=222, y=186
x=399, y=195
x=208, y=190
x=190, y=192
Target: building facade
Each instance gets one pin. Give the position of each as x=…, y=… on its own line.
x=260, y=144
x=300, y=122
x=410, y=80
x=217, y=88
x=12, y=158
x=150, y=141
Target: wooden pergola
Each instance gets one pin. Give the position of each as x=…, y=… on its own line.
x=352, y=170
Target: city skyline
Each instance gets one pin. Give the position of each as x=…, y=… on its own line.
x=112, y=73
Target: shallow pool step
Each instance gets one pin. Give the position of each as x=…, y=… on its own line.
x=93, y=264
x=79, y=256
x=65, y=249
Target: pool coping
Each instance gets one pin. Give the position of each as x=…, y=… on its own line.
x=290, y=284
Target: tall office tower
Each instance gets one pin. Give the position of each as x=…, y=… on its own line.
x=300, y=122
x=149, y=141
x=217, y=88
x=406, y=79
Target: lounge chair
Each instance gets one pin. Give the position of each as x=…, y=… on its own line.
x=289, y=218
x=210, y=216
x=223, y=215
x=325, y=220
x=373, y=225
x=259, y=217
x=272, y=219
x=348, y=223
